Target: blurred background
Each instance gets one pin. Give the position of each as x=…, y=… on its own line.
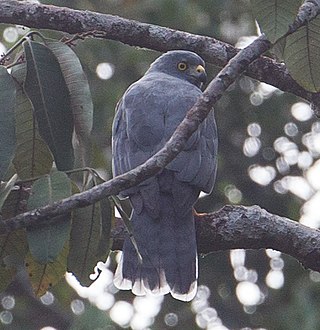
x=268, y=155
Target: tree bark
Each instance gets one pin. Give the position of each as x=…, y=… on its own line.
x=154, y=37
x=241, y=227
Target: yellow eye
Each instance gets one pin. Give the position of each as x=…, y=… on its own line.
x=182, y=66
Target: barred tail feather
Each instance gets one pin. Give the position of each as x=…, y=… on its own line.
x=169, y=258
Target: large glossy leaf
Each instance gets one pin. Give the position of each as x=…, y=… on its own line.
x=80, y=96
x=43, y=277
x=275, y=16
x=84, y=242
x=32, y=156
x=13, y=246
x=302, y=55
x=47, y=240
x=47, y=90
x=7, y=120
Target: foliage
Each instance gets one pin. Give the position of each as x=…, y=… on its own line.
x=45, y=100
x=48, y=133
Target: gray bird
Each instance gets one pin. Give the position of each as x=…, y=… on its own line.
x=162, y=216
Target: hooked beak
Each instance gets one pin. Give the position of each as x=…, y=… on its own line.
x=200, y=75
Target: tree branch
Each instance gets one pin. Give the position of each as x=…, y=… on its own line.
x=232, y=226
x=154, y=37
x=241, y=227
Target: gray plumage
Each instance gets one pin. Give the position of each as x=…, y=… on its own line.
x=162, y=217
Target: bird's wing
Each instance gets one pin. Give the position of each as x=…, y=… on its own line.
x=147, y=116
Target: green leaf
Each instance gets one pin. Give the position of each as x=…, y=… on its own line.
x=80, y=96
x=47, y=240
x=43, y=277
x=13, y=247
x=84, y=242
x=32, y=157
x=15, y=244
x=6, y=276
x=47, y=90
x=302, y=55
x=275, y=16
x=5, y=189
x=7, y=121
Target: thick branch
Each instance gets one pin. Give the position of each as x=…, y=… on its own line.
x=235, y=227
x=151, y=36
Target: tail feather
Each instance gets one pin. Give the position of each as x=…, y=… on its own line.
x=169, y=257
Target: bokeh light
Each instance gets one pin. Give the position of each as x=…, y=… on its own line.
x=47, y=298
x=233, y=194
x=105, y=70
x=275, y=279
x=171, y=319
x=262, y=175
x=8, y=302
x=10, y=34
x=248, y=293
x=6, y=317
x=254, y=129
x=121, y=313
x=77, y=306
x=301, y=111
x=251, y=146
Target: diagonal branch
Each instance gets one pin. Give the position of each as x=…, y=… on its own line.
x=154, y=37
x=194, y=117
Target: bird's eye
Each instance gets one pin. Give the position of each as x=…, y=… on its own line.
x=182, y=66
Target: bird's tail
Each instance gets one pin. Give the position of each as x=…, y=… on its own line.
x=167, y=245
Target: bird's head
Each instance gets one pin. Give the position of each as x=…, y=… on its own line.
x=181, y=64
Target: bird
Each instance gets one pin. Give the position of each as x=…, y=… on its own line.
x=165, y=260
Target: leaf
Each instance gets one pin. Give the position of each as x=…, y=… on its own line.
x=14, y=243
x=84, y=241
x=6, y=276
x=7, y=121
x=302, y=55
x=275, y=16
x=47, y=90
x=107, y=221
x=5, y=189
x=47, y=240
x=80, y=96
x=13, y=248
x=43, y=277
x=32, y=157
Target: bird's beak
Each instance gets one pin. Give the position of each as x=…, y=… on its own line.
x=201, y=74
